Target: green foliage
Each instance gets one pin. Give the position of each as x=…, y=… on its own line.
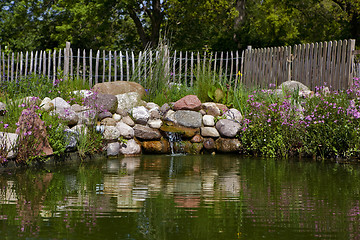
x=217, y=25
x=89, y=141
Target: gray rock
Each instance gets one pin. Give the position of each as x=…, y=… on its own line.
x=66, y=114
x=83, y=93
x=151, y=105
x=78, y=108
x=46, y=104
x=156, y=123
x=208, y=120
x=58, y=102
x=227, y=128
x=128, y=100
x=164, y=108
x=170, y=116
x=233, y=114
x=125, y=130
x=140, y=115
x=87, y=117
x=211, y=109
x=71, y=139
x=131, y=147
x=111, y=133
x=146, y=133
x=209, y=132
x=128, y=120
x=188, y=118
x=113, y=149
x=108, y=122
x=80, y=129
x=102, y=102
x=9, y=140
x=290, y=87
x=293, y=86
x=105, y=114
x=155, y=113
x=2, y=109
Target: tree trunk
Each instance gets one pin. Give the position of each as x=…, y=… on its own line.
x=240, y=7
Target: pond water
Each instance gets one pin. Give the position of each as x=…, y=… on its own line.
x=182, y=197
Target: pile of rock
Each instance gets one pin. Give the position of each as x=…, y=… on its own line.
x=131, y=126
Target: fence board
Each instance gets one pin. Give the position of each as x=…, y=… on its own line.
x=97, y=67
x=110, y=62
x=90, y=68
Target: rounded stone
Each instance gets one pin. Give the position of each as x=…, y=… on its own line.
x=188, y=118
x=228, y=128
x=208, y=120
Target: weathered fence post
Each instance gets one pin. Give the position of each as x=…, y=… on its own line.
x=66, y=61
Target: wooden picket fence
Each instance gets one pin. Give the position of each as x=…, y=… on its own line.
x=312, y=64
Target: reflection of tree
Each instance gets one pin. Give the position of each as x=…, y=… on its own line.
x=31, y=189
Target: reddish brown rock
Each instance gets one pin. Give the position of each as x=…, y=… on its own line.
x=209, y=144
x=33, y=139
x=189, y=102
x=161, y=146
x=197, y=139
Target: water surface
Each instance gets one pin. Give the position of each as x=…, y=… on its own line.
x=182, y=197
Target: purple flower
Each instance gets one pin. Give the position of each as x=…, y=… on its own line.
x=6, y=125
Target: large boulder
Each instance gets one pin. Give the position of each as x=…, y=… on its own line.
x=228, y=128
x=188, y=118
x=32, y=135
x=189, y=102
x=119, y=87
x=130, y=148
x=228, y=145
x=233, y=114
x=289, y=87
x=102, y=102
x=129, y=100
x=146, y=133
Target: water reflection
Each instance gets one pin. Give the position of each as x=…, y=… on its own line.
x=182, y=197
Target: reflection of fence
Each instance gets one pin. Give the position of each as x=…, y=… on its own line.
x=312, y=64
